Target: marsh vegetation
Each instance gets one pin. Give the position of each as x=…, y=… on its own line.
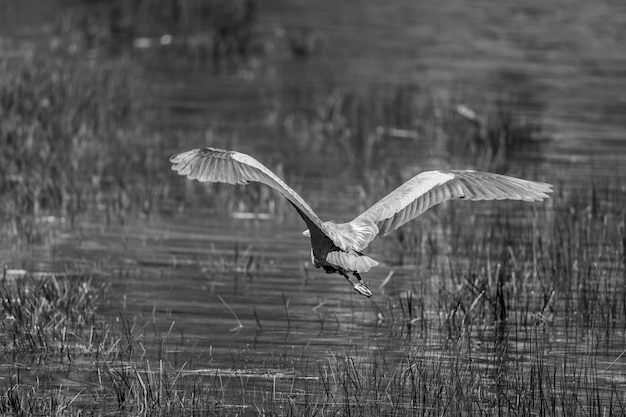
x=126, y=290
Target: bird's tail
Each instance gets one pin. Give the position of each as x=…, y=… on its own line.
x=351, y=261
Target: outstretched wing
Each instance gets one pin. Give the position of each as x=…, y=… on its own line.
x=217, y=165
x=433, y=187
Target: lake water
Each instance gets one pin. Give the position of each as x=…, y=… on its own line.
x=195, y=273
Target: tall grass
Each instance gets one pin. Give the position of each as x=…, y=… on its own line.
x=73, y=139
x=48, y=314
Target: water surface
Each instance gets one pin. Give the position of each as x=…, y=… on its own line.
x=191, y=275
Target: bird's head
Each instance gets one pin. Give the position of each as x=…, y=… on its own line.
x=307, y=233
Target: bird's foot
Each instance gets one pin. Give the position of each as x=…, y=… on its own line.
x=363, y=288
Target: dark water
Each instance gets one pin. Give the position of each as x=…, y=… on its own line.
x=560, y=63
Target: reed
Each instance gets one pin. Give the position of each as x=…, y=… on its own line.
x=72, y=141
x=49, y=314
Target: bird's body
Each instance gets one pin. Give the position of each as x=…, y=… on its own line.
x=337, y=247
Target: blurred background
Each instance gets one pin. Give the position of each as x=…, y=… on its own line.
x=176, y=292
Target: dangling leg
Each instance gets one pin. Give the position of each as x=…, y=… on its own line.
x=342, y=272
x=362, y=284
x=359, y=287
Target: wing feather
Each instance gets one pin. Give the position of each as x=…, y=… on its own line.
x=430, y=188
x=216, y=165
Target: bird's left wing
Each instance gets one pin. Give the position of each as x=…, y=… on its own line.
x=217, y=165
x=433, y=187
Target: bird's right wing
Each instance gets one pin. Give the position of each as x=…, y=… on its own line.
x=433, y=187
x=217, y=165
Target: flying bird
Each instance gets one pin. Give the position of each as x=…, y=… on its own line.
x=338, y=247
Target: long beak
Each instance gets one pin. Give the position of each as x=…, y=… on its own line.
x=307, y=232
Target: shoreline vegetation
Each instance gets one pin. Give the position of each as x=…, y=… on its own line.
x=540, y=330
x=526, y=321
x=76, y=139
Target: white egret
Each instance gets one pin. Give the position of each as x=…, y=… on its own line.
x=337, y=247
